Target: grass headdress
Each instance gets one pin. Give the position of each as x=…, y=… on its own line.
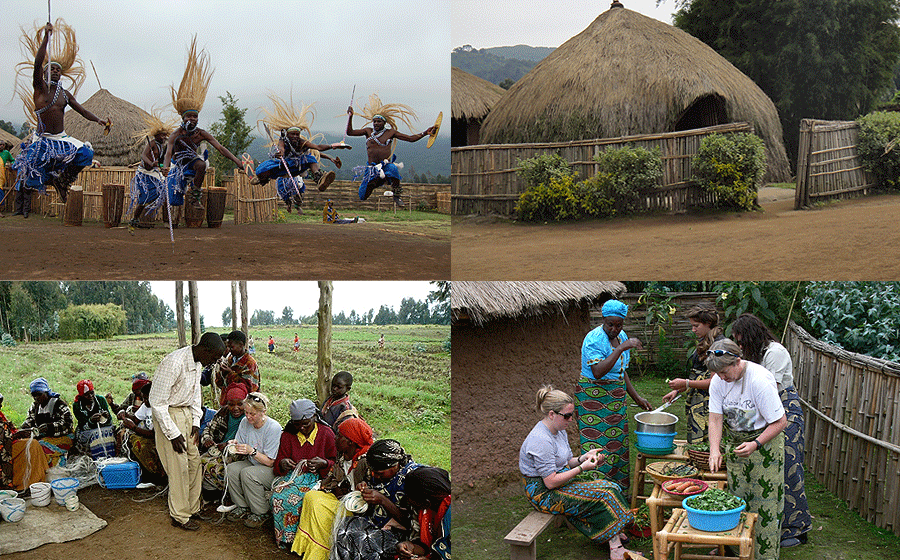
x=153, y=125
x=191, y=94
x=392, y=112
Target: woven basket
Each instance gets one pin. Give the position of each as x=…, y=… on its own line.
x=699, y=459
x=656, y=469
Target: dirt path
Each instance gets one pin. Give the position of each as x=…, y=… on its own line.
x=848, y=240
x=41, y=248
x=143, y=530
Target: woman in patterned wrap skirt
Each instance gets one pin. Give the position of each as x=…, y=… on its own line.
x=553, y=481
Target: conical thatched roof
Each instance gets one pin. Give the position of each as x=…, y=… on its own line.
x=629, y=74
x=118, y=148
x=7, y=137
x=470, y=96
x=484, y=301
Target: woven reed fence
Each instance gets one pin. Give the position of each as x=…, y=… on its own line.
x=484, y=179
x=828, y=164
x=678, y=334
x=92, y=181
x=852, y=408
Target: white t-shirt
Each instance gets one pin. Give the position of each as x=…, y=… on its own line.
x=544, y=453
x=145, y=415
x=748, y=404
x=777, y=360
x=265, y=439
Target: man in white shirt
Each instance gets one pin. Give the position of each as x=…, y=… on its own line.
x=176, y=403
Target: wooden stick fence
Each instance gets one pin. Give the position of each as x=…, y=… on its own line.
x=828, y=164
x=484, y=178
x=852, y=412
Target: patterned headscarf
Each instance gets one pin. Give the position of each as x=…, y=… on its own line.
x=386, y=453
x=357, y=431
x=138, y=385
x=236, y=391
x=40, y=385
x=84, y=386
x=614, y=307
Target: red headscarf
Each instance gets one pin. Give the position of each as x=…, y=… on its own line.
x=357, y=431
x=236, y=391
x=84, y=386
x=138, y=385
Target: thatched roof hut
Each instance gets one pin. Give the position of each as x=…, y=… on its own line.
x=509, y=338
x=118, y=147
x=470, y=101
x=629, y=74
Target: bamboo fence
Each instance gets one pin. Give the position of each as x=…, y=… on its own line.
x=484, y=178
x=828, y=163
x=253, y=203
x=852, y=412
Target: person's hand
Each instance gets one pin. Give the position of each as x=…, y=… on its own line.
x=317, y=464
x=287, y=464
x=670, y=395
x=745, y=449
x=715, y=460
x=165, y=171
x=106, y=125
x=633, y=343
x=121, y=415
x=678, y=384
x=195, y=434
x=243, y=449
x=178, y=444
x=343, y=147
x=129, y=423
x=349, y=109
x=429, y=131
x=222, y=445
x=48, y=28
x=109, y=398
x=95, y=418
x=643, y=403
x=43, y=430
x=372, y=496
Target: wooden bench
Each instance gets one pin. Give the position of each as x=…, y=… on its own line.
x=521, y=539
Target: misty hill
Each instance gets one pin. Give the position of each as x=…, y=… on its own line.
x=496, y=64
x=416, y=158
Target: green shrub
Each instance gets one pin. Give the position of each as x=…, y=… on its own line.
x=554, y=200
x=628, y=172
x=540, y=170
x=732, y=167
x=7, y=340
x=596, y=197
x=91, y=321
x=862, y=317
x=879, y=147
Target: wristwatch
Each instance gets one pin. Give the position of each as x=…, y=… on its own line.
x=254, y=453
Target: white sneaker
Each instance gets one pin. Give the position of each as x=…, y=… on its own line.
x=144, y=485
x=225, y=509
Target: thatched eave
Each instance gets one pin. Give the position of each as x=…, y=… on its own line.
x=471, y=96
x=481, y=302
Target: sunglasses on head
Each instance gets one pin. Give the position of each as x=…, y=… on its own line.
x=567, y=415
x=722, y=353
x=255, y=399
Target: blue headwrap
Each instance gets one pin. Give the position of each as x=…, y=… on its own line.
x=614, y=307
x=40, y=385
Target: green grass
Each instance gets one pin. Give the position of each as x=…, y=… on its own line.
x=482, y=520
x=403, y=391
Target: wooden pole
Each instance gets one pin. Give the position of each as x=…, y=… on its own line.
x=179, y=312
x=195, y=311
x=234, y=310
x=245, y=317
x=323, y=358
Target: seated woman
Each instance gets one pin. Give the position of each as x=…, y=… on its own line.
x=595, y=506
x=307, y=452
x=140, y=440
x=250, y=477
x=7, y=429
x=384, y=525
x=93, y=422
x=313, y=540
x=428, y=493
x=129, y=400
x=213, y=439
x=49, y=422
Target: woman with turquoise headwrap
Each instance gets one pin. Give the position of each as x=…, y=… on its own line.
x=602, y=388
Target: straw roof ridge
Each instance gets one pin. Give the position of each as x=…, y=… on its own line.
x=472, y=97
x=118, y=147
x=485, y=301
x=628, y=74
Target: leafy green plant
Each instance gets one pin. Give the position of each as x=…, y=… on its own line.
x=658, y=323
x=629, y=171
x=731, y=166
x=7, y=340
x=596, y=197
x=879, y=146
x=554, y=200
x=542, y=169
x=714, y=499
x=91, y=321
x=862, y=317
x=770, y=301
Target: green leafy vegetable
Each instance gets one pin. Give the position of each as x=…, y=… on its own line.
x=714, y=499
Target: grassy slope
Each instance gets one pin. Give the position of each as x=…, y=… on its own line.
x=403, y=391
x=481, y=523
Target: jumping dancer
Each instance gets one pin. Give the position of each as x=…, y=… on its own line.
x=148, y=182
x=381, y=168
x=51, y=156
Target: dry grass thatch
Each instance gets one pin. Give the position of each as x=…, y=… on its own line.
x=118, y=148
x=485, y=301
x=471, y=97
x=7, y=137
x=628, y=74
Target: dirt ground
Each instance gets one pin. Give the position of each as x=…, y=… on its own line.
x=38, y=248
x=141, y=529
x=846, y=240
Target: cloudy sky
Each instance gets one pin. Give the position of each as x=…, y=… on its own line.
x=498, y=23
x=399, y=49
x=302, y=297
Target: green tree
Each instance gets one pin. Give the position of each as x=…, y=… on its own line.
x=91, y=321
x=233, y=132
x=385, y=316
x=8, y=127
x=24, y=130
x=262, y=317
x=823, y=59
x=506, y=83
x=226, y=316
x=287, y=316
x=145, y=312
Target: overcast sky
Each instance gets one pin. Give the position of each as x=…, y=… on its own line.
x=302, y=297
x=399, y=49
x=499, y=23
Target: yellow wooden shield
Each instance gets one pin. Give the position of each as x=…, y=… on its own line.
x=437, y=128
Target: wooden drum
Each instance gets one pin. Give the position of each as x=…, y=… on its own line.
x=193, y=218
x=215, y=206
x=113, y=203
x=74, y=211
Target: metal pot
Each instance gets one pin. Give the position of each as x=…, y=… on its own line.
x=656, y=422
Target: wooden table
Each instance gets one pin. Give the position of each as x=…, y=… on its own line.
x=678, y=534
x=660, y=499
x=639, y=479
